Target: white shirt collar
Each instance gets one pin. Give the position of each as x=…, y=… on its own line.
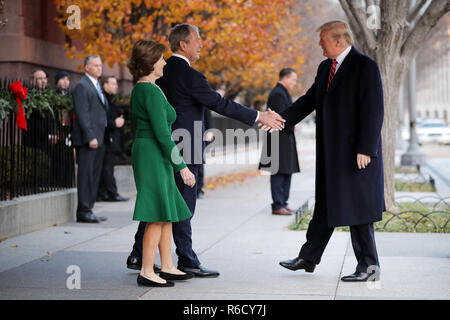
x=342, y=56
x=94, y=81
x=182, y=57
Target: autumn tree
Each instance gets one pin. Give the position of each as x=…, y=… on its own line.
x=246, y=43
x=392, y=32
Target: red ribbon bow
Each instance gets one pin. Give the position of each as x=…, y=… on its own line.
x=20, y=93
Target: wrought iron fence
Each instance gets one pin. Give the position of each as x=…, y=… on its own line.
x=38, y=160
x=415, y=214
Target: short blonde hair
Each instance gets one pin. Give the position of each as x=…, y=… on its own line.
x=338, y=30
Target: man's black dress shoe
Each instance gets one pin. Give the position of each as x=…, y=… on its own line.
x=142, y=281
x=200, y=272
x=298, y=263
x=135, y=263
x=171, y=276
x=360, y=276
x=90, y=218
x=116, y=199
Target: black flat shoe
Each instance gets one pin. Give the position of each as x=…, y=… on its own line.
x=298, y=263
x=200, y=272
x=171, y=276
x=360, y=277
x=142, y=281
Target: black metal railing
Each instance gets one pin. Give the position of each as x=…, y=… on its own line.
x=38, y=160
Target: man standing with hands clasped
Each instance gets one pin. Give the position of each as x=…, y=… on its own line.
x=90, y=107
x=347, y=95
x=281, y=174
x=189, y=93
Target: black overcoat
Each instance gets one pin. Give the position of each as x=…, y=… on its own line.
x=349, y=121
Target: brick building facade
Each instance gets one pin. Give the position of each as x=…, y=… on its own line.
x=32, y=39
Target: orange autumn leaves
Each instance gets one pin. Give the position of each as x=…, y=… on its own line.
x=224, y=180
x=245, y=43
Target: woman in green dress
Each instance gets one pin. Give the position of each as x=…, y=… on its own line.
x=155, y=158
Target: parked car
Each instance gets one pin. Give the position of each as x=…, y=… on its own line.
x=433, y=130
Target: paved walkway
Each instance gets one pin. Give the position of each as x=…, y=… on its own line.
x=234, y=232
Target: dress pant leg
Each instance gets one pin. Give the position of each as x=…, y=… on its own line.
x=85, y=179
x=286, y=188
x=97, y=172
x=182, y=230
x=108, y=187
x=102, y=186
x=138, y=237
x=363, y=242
x=276, y=188
x=317, y=236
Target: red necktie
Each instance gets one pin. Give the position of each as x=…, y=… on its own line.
x=332, y=72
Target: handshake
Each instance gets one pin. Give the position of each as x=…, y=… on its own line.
x=270, y=121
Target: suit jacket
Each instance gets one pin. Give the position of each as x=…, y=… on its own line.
x=90, y=113
x=188, y=92
x=279, y=100
x=349, y=120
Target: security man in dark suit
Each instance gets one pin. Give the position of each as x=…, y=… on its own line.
x=107, y=190
x=188, y=92
x=281, y=174
x=90, y=107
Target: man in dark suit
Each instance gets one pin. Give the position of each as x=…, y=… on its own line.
x=281, y=173
x=107, y=190
x=188, y=92
x=90, y=107
x=347, y=95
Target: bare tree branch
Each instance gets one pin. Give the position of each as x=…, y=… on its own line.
x=415, y=10
x=351, y=10
x=436, y=10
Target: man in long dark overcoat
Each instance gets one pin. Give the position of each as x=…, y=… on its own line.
x=282, y=160
x=347, y=96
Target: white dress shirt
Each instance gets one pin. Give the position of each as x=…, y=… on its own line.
x=341, y=57
x=94, y=81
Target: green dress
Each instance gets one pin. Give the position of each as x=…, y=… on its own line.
x=154, y=163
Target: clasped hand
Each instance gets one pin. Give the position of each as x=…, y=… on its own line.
x=270, y=120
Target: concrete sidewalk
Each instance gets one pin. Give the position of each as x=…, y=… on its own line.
x=233, y=232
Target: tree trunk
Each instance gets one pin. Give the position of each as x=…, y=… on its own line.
x=391, y=86
x=392, y=71
x=392, y=46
